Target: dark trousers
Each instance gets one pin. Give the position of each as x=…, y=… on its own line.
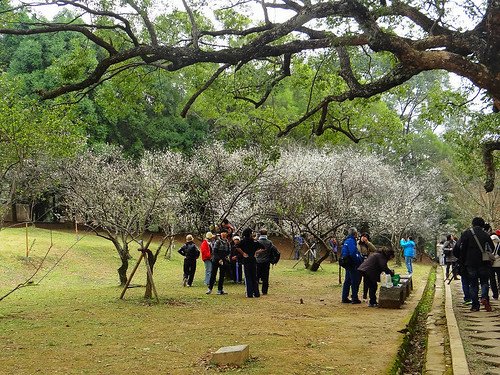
x=365, y=286
x=495, y=281
x=478, y=275
x=263, y=274
x=372, y=289
x=453, y=266
x=189, y=270
x=222, y=272
x=251, y=281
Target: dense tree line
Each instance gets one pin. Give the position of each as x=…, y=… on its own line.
x=127, y=77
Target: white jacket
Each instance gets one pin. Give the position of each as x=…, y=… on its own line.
x=496, y=252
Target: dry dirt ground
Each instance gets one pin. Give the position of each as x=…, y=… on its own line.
x=74, y=323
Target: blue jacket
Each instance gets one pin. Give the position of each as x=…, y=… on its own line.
x=408, y=248
x=350, y=248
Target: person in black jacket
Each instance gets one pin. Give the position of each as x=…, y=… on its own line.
x=220, y=259
x=248, y=248
x=371, y=268
x=473, y=242
x=190, y=252
x=461, y=270
x=264, y=261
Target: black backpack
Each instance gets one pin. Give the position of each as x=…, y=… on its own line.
x=274, y=255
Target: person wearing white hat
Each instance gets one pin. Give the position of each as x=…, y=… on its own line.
x=495, y=268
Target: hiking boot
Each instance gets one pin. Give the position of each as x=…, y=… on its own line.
x=486, y=303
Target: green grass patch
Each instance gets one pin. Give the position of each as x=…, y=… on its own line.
x=73, y=322
x=411, y=355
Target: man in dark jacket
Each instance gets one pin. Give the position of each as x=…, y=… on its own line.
x=264, y=261
x=371, y=268
x=190, y=252
x=473, y=242
x=462, y=271
x=220, y=258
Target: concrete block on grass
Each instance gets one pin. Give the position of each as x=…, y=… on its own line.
x=231, y=355
x=391, y=298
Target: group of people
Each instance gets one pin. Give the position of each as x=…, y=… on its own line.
x=226, y=253
x=477, y=254
x=362, y=261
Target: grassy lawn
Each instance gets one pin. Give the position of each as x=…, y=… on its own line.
x=73, y=321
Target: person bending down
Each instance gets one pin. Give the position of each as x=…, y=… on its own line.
x=371, y=268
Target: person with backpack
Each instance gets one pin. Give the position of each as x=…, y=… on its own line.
x=473, y=243
x=449, y=259
x=190, y=253
x=220, y=259
x=264, y=260
x=351, y=259
x=248, y=248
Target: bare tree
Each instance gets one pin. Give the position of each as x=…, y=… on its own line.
x=320, y=192
x=121, y=200
x=408, y=205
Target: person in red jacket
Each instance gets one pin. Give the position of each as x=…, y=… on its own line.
x=206, y=255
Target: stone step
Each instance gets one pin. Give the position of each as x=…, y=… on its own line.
x=486, y=335
x=489, y=351
x=484, y=327
x=495, y=361
x=492, y=343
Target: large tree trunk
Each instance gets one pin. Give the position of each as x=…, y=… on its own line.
x=151, y=259
x=122, y=271
x=317, y=262
x=396, y=247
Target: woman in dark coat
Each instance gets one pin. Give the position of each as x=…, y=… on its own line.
x=248, y=248
x=371, y=268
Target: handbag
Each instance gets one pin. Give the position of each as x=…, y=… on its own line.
x=486, y=256
x=345, y=261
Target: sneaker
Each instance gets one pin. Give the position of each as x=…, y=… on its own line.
x=346, y=300
x=486, y=303
x=221, y=292
x=356, y=301
x=208, y=291
x=184, y=281
x=468, y=303
x=373, y=305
